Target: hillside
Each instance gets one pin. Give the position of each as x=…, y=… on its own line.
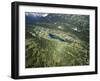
x=56, y=40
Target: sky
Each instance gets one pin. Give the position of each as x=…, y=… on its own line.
x=36, y=14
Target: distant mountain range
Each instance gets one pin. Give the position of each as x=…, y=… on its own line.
x=72, y=21
x=51, y=18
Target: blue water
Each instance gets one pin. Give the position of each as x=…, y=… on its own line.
x=55, y=37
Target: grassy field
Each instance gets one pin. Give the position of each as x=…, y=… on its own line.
x=43, y=51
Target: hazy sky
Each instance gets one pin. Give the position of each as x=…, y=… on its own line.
x=36, y=14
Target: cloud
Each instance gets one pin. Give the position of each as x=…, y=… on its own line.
x=44, y=15
x=36, y=14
